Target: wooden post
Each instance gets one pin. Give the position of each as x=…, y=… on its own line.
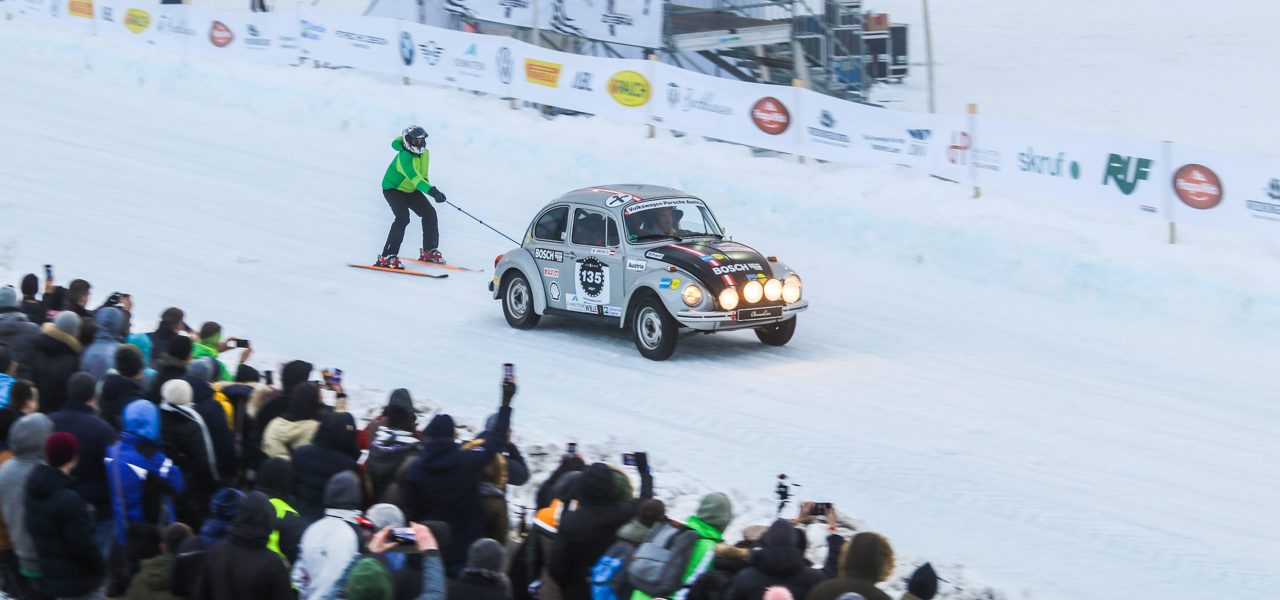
x=1166, y=158
x=973, y=143
x=928, y=46
x=653, y=131
x=800, y=83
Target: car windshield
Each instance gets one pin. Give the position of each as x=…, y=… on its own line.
x=670, y=218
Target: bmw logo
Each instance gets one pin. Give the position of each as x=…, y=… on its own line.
x=504, y=64
x=406, y=47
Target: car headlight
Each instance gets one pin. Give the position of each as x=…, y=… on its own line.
x=791, y=289
x=729, y=298
x=773, y=290
x=692, y=295
x=752, y=292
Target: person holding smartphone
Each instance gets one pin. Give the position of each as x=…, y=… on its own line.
x=210, y=343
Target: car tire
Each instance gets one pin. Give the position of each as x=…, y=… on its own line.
x=517, y=301
x=653, y=329
x=777, y=334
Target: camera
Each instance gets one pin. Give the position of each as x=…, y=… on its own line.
x=269, y=377
x=406, y=542
x=572, y=448
x=820, y=509
x=115, y=299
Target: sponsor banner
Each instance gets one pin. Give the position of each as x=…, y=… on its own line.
x=1083, y=169
x=483, y=63
x=913, y=139
x=39, y=11
x=164, y=26
x=629, y=22
x=332, y=39
x=830, y=129
x=746, y=113
x=621, y=90
x=242, y=35
x=1225, y=191
x=509, y=12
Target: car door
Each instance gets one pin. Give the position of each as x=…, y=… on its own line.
x=547, y=244
x=595, y=283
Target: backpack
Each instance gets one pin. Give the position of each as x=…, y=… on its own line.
x=608, y=582
x=658, y=566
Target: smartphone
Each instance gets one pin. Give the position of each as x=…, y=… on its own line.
x=402, y=535
x=508, y=373
x=405, y=541
x=629, y=459
x=269, y=376
x=48, y=271
x=335, y=378
x=238, y=343
x=820, y=509
x=572, y=448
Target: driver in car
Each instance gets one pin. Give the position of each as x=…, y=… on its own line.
x=661, y=222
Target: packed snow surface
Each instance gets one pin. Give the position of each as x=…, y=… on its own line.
x=1053, y=400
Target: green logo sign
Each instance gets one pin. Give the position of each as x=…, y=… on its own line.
x=1126, y=172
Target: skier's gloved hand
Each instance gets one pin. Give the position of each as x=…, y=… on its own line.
x=508, y=392
x=436, y=194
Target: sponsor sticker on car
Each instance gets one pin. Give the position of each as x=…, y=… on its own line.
x=550, y=272
x=655, y=255
x=613, y=311
x=753, y=314
x=591, y=281
x=634, y=264
x=548, y=255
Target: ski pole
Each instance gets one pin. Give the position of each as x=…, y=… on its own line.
x=482, y=222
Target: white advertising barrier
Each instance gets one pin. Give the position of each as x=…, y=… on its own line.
x=1081, y=168
x=37, y=11
x=629, y=22
x=725, y=109
x=340, y=40
x=163, y=26
x=239, y=35
x=483, y=63
x=1214, y=189
x=510, y=12
x=620, y=90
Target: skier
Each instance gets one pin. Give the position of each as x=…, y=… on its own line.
x=403, y=186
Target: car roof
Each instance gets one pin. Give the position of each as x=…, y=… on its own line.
x=596, y=195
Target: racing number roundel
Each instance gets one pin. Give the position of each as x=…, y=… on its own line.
x=593, y=281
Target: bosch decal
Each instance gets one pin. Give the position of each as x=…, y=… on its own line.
x=548, y=255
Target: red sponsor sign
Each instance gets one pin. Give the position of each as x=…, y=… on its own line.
x=771, y=115
x=1197, y=186
x=220, y=35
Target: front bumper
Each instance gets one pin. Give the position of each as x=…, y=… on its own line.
x=738, y=319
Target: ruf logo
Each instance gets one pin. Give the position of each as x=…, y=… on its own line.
x=1126, y=172
x=958, y=150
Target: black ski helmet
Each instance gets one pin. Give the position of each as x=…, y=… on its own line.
x=414, y=139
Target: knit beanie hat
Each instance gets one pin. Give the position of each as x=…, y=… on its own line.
x=441, y=426
x=200, y=370
x=176, y=392
x=67, y=322
x=8, y=297
x=778, y=592
x=485, y=554
x=715, y=510
x=30, y=284
x=225, y=504
x=368, y=580
x=385, y=515
x=60, y=449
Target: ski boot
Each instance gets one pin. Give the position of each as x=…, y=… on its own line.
x=431, y=256
x=390, y=261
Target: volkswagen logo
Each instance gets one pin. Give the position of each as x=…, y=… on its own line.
x=504, y=64
x=406, y=48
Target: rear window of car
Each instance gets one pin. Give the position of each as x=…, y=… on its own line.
x=551, y=226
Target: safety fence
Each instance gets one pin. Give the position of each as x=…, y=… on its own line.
x=1168, y=181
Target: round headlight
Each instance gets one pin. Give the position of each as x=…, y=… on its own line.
x=773, y=290
x=791, y=289
x=692, y=295
x=753, y=291
x=729, y=299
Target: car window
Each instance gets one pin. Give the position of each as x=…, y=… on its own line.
x=612, y=232
x=588, y=228
x=668, y=218
x=552, y=224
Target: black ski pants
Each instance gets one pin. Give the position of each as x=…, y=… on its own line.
x=401, y=203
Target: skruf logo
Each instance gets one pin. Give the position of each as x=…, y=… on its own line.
x=1126, y=172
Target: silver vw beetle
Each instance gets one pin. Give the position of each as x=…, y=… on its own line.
x=649, y=258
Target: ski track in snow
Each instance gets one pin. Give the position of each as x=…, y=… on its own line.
x=1042, y=399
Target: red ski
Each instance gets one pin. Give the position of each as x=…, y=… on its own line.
x=441, y=265
x=400, y=271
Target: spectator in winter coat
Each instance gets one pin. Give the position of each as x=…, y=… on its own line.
x=7, y=368
x=57, y=358
x=26, y=441
x=571, y=463
x=142, y=480
x=779, y=561
x=24, y=399
x=923, y=584
x=714, y=514
x=608, y=581
x=210, y=344
x=586, y=532
x=292, y=375
x=17, y=331
x=444, y=482
x=395, y=441
x=187, y=442
x=79, y=417
x=241, y=566
x=366, y=577
x=172, y=365
x=332, y=451
x=482, y=577
x=78, y=297
x=865, y=560
x=188, y=564
x=35, y=310
x=223, y=508
x=727, y=562
x=100, y=356
x=152, y=580
x=71, y=565
x=121, y=387
x=295, y=428
x=275, y=479
x=199, y=372
x=330, y=543
x=245, y=397
x=507, y=468
x=170, y=327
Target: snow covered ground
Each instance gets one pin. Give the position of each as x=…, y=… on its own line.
x=1048, y=401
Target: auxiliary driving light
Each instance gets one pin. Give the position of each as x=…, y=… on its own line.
x=729, y=298
x=773, y=290
x=752, y=292
x=791, y=289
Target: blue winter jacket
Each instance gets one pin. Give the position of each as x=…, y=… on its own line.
x=140, y=458
x=6, y=388
x=100, y=356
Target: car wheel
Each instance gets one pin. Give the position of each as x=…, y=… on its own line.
x=653, y=328
x=777, y=334
x=517, y=302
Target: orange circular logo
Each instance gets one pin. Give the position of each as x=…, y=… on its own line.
x=771, y=115
x=1197, y=186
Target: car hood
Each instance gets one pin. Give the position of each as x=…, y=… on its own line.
x=716, y=264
